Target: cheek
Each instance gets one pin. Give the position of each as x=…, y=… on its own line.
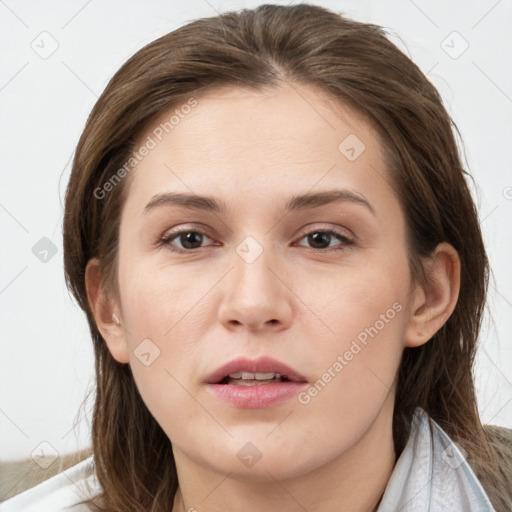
x=159, y=308
x=156, y=300
x=167, y=397
x=361, y=302
x=365, y=311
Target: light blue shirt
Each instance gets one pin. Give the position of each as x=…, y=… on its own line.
x=431, y=475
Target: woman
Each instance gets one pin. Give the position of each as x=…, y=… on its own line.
x=269, y=229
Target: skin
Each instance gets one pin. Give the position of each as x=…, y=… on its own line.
x=254, y=150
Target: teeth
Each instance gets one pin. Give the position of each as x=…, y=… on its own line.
x=254, y=376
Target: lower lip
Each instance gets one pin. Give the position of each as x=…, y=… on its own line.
x=257, y=396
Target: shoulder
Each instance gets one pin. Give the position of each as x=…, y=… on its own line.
x=500, y=439
x=64, y=491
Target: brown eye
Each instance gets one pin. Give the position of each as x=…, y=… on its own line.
x=189, y=240
x=321, y=239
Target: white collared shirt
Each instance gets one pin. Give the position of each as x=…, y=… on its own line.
x=431, y=475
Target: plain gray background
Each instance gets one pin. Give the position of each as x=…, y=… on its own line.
x=57, y=58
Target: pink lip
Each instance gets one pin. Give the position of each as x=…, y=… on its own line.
x=263, y=364
x=256, y=396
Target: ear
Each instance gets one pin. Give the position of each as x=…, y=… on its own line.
x=106, y=313
x=434, y=303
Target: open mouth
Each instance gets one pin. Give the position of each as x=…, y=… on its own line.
x=253, y=379
x=254, y=384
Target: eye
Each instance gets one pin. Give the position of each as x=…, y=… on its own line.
x=190, y=239
x=321, y=239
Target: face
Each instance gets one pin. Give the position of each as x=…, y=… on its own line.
x=321, y=286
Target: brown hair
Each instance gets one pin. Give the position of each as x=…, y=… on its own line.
x=261, y=48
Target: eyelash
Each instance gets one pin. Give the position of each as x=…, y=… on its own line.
x=167, y=239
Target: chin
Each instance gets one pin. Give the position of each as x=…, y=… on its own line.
x=265, y=461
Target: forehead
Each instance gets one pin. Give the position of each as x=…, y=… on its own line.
x=233, y=139
x=285, y=113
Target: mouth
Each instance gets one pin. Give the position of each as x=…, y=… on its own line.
x=243, y=371
x=255, y=384
x=253, y=379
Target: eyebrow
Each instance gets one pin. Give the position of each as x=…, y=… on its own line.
x=295, y=203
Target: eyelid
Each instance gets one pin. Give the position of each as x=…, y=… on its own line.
x=186, y=228
x=340, y=231
x=175, y=232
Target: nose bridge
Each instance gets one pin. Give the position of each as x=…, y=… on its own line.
x=252, y=274
x=254, y=258
x=254, y=295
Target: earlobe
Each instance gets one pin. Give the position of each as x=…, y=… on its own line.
x=105, y=312
x=434, y=303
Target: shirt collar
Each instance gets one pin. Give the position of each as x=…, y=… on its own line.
x=432, y=474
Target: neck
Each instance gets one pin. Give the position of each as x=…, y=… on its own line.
x=354, y=481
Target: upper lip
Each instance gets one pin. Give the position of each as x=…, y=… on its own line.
x=261, y=365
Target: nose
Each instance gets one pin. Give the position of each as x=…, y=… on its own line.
x=256, y=295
